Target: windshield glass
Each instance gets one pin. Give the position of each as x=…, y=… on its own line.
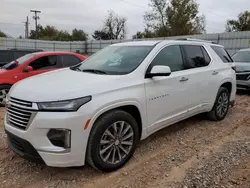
x=242, y=56
x=115, y=60
x=19, y=61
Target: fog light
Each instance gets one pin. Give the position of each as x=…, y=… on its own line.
x=60, y=137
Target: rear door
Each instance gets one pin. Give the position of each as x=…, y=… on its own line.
x=69, y=60
x=202, y=77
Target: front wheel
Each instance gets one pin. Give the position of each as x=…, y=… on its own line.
x=112, y=141
x=221, y=105
x=4, y=90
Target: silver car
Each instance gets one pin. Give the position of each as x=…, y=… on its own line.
x=242, y=62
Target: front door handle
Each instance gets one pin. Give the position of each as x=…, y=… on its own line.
x=215, y=73
x=183, y=79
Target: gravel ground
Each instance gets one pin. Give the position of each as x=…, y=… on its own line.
x=195, y=153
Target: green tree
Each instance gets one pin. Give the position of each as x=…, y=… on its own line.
x=114, y=28
x=2, y=34
x=100, y=35
x=40, y=33
x=52, y=33
x=79, y=35
x=242, y=24
x=174, y=17
x=145, y=34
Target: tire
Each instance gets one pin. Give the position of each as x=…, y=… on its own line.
x=4, y=89
x=222, y=100
x=104, y=161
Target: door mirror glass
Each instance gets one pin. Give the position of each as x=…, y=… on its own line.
x=28, y=69
x=159, y=70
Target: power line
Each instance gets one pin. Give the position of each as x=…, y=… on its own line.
x=10, y=23
x=217, y=14
x=134, y=4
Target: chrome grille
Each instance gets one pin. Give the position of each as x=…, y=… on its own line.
x=18, y=115
x=21, y=102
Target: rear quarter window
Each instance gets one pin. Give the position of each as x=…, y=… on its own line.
x=70, y=60
x=223, y=54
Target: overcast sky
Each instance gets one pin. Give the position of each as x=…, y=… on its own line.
x=89, y=14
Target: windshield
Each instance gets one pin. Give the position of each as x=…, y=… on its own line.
x=115, y=60
x=19, y=61
x=242, y=56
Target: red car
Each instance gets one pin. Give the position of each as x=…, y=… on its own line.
x=33, y=64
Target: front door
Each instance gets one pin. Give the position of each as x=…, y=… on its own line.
x=166, y=96
x=41, y=65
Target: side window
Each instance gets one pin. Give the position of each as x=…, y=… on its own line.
x=196, y=56
x=69, y=60
x=170, y=56
x=223, y=54
x=46, y=62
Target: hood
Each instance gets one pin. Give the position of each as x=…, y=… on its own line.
x=242, y=67
x=62, y=85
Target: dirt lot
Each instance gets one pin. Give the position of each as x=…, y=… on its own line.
x=195, y=153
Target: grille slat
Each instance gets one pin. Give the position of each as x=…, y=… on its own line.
x=15, y=123
x=18, y=121
x=18, y=115
x=242, y=76
x=21, y=102
x=22, y=110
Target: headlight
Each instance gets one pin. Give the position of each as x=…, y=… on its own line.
x=64, y=106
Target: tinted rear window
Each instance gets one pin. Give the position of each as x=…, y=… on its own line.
x=223, y=54
x=196, y=56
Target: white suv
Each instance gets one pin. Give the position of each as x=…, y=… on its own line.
x=97, y=111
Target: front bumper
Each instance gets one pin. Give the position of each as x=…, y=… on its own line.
x=37, y=146
x=23, y=148
x=243, y=84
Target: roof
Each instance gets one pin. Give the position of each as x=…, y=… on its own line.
x=55, y=53
x=139, y=43
x=154, y=42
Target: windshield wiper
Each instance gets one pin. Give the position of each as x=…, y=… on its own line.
x=94, y=71
x=75, y=69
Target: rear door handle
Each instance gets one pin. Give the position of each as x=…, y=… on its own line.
x=215, y=73
x=183, y=79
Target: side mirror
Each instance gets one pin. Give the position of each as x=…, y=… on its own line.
x=28, y=69
x=159, y=70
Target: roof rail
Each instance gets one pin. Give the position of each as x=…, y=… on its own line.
x=196, y=40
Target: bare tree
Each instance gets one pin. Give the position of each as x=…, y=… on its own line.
x=114, y=28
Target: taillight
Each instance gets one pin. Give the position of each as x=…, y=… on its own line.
x=234, y=68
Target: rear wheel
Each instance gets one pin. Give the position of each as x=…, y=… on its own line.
x=4, y=90
x=112, y=141
x=221, y=105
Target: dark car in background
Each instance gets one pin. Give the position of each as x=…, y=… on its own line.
x=9, y=55
x=242, y=62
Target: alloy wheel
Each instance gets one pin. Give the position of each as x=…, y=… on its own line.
x=116, y=142
x=222, y=105
x=3, y=94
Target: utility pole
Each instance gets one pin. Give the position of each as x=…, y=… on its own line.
x=36, y=17
x=27, y=28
